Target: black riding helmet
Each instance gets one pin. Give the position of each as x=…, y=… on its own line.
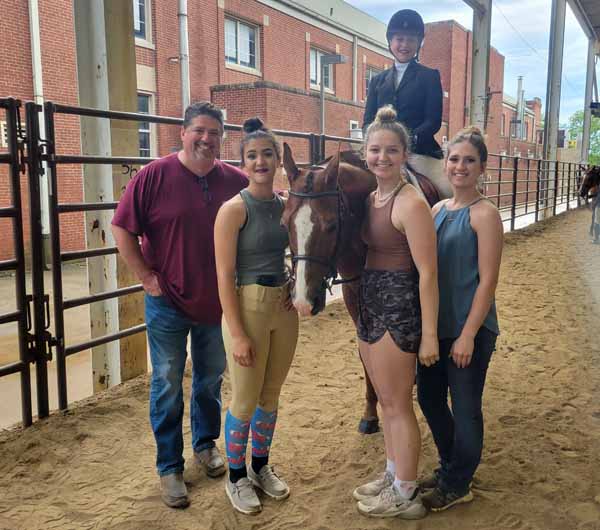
x=405, y=20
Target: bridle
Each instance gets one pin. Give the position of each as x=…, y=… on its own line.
x=330, y=277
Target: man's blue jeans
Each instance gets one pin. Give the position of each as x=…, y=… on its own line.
x=458, y=435
x=168, y=330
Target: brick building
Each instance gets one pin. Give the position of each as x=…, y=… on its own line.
x=251, y=57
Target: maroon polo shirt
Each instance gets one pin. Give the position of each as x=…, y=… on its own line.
x=174, y=212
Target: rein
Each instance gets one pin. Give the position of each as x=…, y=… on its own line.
x=330, y=277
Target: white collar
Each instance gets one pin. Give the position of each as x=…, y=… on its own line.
x=401, y=67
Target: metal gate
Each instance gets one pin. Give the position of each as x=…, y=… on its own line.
x=28, y=150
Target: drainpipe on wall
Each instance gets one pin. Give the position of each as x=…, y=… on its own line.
x=38, y=96
x=355, y=69
x=184, y=57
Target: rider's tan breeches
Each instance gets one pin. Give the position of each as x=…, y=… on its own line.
x=273, y=331
x=432, y=168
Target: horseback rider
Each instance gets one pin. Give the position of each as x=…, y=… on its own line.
x=415, y=91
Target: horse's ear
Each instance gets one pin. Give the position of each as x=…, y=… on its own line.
x=331, y=172
x=288, y=163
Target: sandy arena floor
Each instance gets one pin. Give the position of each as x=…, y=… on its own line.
x=94, y=467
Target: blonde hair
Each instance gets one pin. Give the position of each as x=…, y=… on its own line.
x=474, y=136
x=386, y=120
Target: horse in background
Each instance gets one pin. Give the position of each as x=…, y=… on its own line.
x=590, y=188
x=323, y=215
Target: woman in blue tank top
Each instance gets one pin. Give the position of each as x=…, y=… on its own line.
x=470, y=236
x=260, y=324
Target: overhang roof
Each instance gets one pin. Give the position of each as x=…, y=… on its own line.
x=588, y=14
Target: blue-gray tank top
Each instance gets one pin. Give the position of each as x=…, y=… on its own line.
x=458, y=272
x=262, y=242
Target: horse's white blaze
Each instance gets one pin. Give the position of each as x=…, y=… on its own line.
x=304, y=228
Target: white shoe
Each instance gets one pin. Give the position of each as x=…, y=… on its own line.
x=389, y=503
x=268, y=481
x=373, y=488
x=242, y=496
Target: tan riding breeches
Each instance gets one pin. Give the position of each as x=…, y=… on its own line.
x=273, y=331
x=433, y=169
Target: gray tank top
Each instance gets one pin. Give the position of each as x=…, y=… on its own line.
x=458, y=272
x=262, y=242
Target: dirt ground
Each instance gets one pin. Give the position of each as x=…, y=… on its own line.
x=94, y=467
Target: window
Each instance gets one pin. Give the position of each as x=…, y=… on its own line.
x=315, y=71
x=144, y=126
x=526, y=132
x=3, y=134
x=503, y=125
x=240, y=43
x=370, y=74
x=355, y=130
x=141, y=19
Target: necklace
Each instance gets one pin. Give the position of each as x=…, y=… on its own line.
x=389, y=194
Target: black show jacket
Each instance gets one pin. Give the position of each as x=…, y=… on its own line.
x=417, y=100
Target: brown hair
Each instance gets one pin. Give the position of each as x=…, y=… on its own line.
x=386, y=120
x=474, y=136
x=254, y=129
x=203, y=108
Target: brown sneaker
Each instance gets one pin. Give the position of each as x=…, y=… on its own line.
x=438, y=499
x=211, y=461
x=173, y=491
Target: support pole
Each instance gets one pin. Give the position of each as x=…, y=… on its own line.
x=551, y=119
x=587, y=112
x=482, y=23
x=107, y=80
x=184, y=54
x=38, y=97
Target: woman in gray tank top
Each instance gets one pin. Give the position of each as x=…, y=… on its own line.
x=470, y=234
x=260, y=325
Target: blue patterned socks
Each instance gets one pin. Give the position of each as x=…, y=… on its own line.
x=263, y=427
x=236, y=441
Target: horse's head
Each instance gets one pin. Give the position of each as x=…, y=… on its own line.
x=312, y=219
x=591, y=178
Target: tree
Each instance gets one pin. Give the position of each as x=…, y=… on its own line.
x=576, y=130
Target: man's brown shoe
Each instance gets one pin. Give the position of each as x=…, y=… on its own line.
x=211, y=461
x=173, y=491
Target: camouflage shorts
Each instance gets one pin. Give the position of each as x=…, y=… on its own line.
x=389, y=301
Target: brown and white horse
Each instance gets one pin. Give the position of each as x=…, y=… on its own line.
x=324, y=214
x=590, y=188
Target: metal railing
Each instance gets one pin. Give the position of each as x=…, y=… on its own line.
x=518, y=186
x=22, y=315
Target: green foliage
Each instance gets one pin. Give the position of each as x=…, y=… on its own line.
x=576, y=128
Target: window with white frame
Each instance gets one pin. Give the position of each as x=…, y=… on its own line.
x=370, y=74
x=141, y=20
x=241, y=46
x=315, y=71
x=144, y=127
x=3, y=135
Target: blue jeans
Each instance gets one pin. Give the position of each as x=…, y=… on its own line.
x=168, y=330
x=458, y=434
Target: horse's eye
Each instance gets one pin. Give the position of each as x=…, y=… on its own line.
x=332, y=227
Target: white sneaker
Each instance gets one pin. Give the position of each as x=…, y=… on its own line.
x=242, y=496
x=389, y=503
x=268, y=481
x=373, y=488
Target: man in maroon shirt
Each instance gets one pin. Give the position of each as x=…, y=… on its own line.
x=172, y=204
